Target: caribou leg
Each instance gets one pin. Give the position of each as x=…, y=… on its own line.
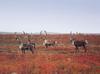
x=46, y=45
x=23, y=50
x=77, y=49
x=85, y=49
x=31, y=49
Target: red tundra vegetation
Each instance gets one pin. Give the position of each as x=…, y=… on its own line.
x=60, y=59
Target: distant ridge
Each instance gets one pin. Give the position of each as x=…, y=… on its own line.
x=47, y=33
x=6, y=32
x=29, y=33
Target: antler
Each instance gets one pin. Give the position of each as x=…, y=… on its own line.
x=43, y=34
x=29, y=38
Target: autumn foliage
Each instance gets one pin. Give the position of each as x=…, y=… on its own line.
x=60, y=59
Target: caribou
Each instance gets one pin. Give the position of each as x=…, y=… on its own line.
x=80, y=43
x=25, y=46
x=47, y=43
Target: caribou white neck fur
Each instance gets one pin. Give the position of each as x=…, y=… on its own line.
x=21, y=45
x=45, y=41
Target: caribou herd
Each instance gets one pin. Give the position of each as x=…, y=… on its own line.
x=32, y=45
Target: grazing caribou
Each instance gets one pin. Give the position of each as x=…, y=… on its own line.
x=47, y=43
x=80, y=43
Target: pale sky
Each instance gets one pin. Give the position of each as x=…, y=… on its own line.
x=61, y=16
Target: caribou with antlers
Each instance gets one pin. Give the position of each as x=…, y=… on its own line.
x=49, y=43
x=26, y=46
x=78, y=43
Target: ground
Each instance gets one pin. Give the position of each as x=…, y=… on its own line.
x=60, y=59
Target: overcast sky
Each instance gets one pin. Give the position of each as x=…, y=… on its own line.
x=60, y=16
